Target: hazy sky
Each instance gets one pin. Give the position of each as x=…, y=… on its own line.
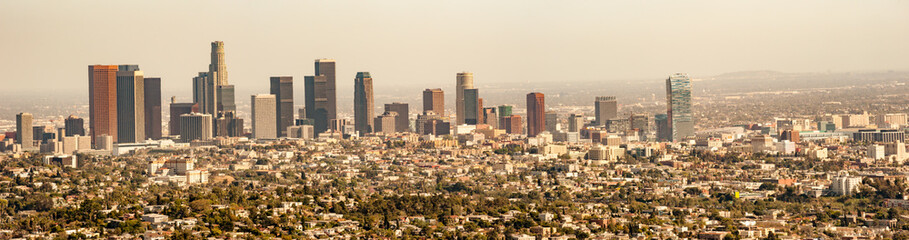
x=47, y=45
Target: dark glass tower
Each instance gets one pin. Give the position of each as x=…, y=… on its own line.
x=364, y=105
x=283, y=89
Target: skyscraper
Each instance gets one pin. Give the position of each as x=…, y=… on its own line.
x=536, y=108
x=74, y=126
x=434, y=100
x=321, y=99
x=512, y=124
x=153, y=108
x=402, y=118
x=552, y=122
x=205, y=93
x=195, y=126
x=177, y=109
x=364, y=105
x=663, y=131
x=606, y=108
x=226, y=99
x=264, y=116
x=130, y=104
x=471, y=106
x=678, y=101
x=464, y=82
x=575, y=122
x=24, y=131
x=218, y=69
x=283, y=89
x=102, y=91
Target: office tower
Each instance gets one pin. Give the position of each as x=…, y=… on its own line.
x=490, y=117
x=664, y=131
x=195, y=126
x=402, y=118
x=321, y=99
x=301, y=113
x=471, y=105
x=102, y=91
x=434, y=100
x=264, y=116
x=228, y=125
x=74, y=126
x=73, y=144
x=504, y=111
x=177, y=109
x=678, y=99
x=226, y=99
x=640, y=122
x=130, y=104
x=205, y=93
x=153, y=108
x=535, y=113
x=385, y=123
x=464, y=82
x=24, y=131
x=217, y=68
x=283, y=89
x=512, y=124
x=575, y=122
x=552, y=122
x=364, y=105
x=606, y=108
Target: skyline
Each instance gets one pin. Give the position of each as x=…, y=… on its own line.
x=530, y=36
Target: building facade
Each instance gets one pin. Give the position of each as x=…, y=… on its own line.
x=364, y=103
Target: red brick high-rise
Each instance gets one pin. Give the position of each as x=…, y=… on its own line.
x=536, y=110
x=102, y=98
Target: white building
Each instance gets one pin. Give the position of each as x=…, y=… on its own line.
x=876, y=152
x=845, y=185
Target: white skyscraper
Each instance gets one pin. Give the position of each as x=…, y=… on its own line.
x=465, y=81
x=264, y=116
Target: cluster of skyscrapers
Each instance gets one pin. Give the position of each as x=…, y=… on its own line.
x=125, y=107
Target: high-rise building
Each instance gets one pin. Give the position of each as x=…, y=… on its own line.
x=663, y=130
x=226, y=99
x=464, y=82
x=791, y=135
x=321, y=99
x=678, y=99
x=471, y=106
x=434, y=100
x=301, y=132
x=283, y=89
x=512, y=124
x=430, y=123
x=536, y=109
x=218, y=68
x=102, y=91
x=504, y=111
x=402, y=115
x=575, y=122
x=263, y=116
x=326, y=67
x=74, y=126
x=130, y=104
x=195, y=126
x=606, y=108
x=24, y=131
x=177, y=109
x=552, y=122
x=385, y=123
x=153, y=108
x=205, y=93
x=364, y=104
x=490, y=117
